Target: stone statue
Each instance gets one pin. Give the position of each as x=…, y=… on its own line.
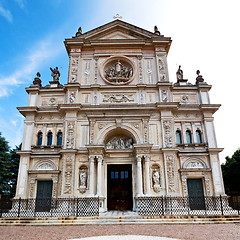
x=55, y=74
x=156, y=30
x=156, y=180
x=83, y=180
x=37, y=81
x=179, y=73
x=79, y=32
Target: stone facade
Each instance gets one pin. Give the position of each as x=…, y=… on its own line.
x=119, y=107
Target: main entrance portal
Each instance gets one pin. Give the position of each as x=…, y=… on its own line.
x=119, y=191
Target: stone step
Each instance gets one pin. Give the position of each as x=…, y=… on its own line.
x=121, y=220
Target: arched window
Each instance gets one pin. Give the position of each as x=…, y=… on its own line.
x=49, y=139
x=39, y=139
x=178, y=137
x=59, y=138
x=189, y=137
x=199, y=136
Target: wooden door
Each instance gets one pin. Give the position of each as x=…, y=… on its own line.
x=119, y=191
x=195, y=193
x=44, y=196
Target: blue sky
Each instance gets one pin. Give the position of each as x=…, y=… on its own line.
x=205, y=36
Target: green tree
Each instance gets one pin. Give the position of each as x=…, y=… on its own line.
x=4, y=166
x=14, y=160
x=9, y=162
x=231, y=174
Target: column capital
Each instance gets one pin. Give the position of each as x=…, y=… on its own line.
x=99, y=158
x=139, y=158
x=146, y=158
x=91, y=158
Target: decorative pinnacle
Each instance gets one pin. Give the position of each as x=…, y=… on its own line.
x=117, y=16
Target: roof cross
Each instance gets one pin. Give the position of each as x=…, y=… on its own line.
x=117, y=16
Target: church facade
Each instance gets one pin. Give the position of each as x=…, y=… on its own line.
x=119, y=129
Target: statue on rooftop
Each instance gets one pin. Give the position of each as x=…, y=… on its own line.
x=55, y=74
x=179, y=73
x=79, y=32
x=156, y=31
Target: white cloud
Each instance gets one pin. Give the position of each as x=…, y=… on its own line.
x=6, y=13
x=41, y=52
x=20, y=3
x=14, y=122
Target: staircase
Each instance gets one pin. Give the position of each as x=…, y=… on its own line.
x=118, y=217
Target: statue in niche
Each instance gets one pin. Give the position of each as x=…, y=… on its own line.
x=55, y=74
x=119, y=72
x=83, y=180
x=120, y=143
x=156, y=180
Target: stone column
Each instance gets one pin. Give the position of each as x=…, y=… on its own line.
x=139, y=176
x=91, y=177
x=99, y=176
x=147, y=174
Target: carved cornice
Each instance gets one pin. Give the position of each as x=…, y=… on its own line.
x=142, y=148
x=95, y=149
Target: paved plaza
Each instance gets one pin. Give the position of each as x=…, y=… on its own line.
x=186, y=232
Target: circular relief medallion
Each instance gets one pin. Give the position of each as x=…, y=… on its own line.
x=118, y=70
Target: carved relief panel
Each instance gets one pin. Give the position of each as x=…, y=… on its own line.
x=68, y=174
x=70, y=136
x=73, y=69
x=162, y=69
x=172, y=173
x=168, y=138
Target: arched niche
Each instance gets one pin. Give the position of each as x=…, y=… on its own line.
x=45, y=165
x=194, y=163
x=119, y=139
x=110, y=131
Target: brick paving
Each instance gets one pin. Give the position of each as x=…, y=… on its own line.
x=186, y=232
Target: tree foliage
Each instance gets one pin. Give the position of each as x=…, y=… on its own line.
x=9, y=162
x=231, y=174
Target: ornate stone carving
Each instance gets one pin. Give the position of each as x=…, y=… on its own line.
x=68, y=176
x=118, y=98
x=171, y=173
x=207, y=184
x=167, y=125
x=74, y=70
x=72, y=97
x=83, y=179
x=149, y=71
x=96, y=68
x=45, y=166
x=194, y=164
x=101, y=125
x=70, y=135
x=184, y=185
x=92, y=123
x=156, y=181
x=140, y=68
x=179, y=73
x=145, y=131
x=52, y=101
x=161, y=67
x=120, y=143
x=184, y=99
x=164, y=95
x=118, y=72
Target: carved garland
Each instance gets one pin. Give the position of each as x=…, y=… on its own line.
x=167, y=133
x=172, y=175
x=70, y=135
x=74, y=70
x=68, y=176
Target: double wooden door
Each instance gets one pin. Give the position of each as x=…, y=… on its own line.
x=119, y=190
x=44, y=196
x=196, y=194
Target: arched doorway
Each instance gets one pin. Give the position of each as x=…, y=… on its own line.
x=119, y=170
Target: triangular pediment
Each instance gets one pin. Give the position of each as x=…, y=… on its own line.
x=118, y=30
